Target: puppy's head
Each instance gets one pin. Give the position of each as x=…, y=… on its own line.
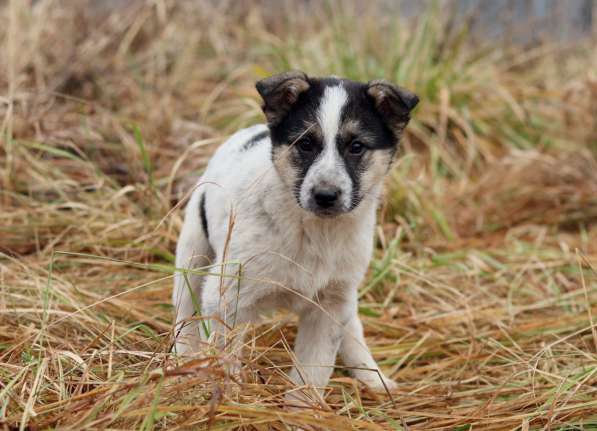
x=333, y=139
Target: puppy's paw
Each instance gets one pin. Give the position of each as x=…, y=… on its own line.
x=379, y=382
x=297, y=400
x=187, y=345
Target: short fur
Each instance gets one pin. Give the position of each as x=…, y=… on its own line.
x=302, y=193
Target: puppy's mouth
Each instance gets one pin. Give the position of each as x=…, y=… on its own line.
x=325, y=213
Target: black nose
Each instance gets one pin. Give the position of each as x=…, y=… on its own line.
x=326, y=198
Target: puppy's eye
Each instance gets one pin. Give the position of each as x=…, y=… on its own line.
x=356, y=148
x=305, y=145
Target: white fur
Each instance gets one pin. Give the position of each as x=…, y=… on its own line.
x=333, y=100
x=290, y=258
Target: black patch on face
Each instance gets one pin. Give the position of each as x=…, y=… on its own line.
x=302, y=161
x=294, y=127
x=372, y=132
x=358, y=108
x=203, y=216
x=254, y=140
x=355, y=169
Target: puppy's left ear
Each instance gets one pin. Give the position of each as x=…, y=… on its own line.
x=280, y=92
x=393, y=103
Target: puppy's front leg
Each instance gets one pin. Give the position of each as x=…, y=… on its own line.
x=355, y=354
x=320, y=332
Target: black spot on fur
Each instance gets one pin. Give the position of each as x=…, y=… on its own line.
x=203, y=216
x=259, y=137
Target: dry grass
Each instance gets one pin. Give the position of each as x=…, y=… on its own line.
x=481, y=300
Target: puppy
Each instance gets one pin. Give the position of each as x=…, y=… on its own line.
x=285, y=213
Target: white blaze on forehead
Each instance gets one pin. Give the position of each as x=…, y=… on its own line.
x=328, y=170
x=333, y=100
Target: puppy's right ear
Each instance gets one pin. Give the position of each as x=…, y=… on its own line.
x=280, y=92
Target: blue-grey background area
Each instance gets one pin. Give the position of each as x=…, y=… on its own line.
x=528, y=20
x=523, y=21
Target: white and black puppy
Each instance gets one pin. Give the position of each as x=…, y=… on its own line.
x=287, y=213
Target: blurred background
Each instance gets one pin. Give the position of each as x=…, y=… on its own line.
x=482, y=296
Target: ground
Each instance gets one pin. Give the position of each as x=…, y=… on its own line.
x=481, y=300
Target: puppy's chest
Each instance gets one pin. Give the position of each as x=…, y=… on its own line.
x=308, y=259
x=296, y=254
